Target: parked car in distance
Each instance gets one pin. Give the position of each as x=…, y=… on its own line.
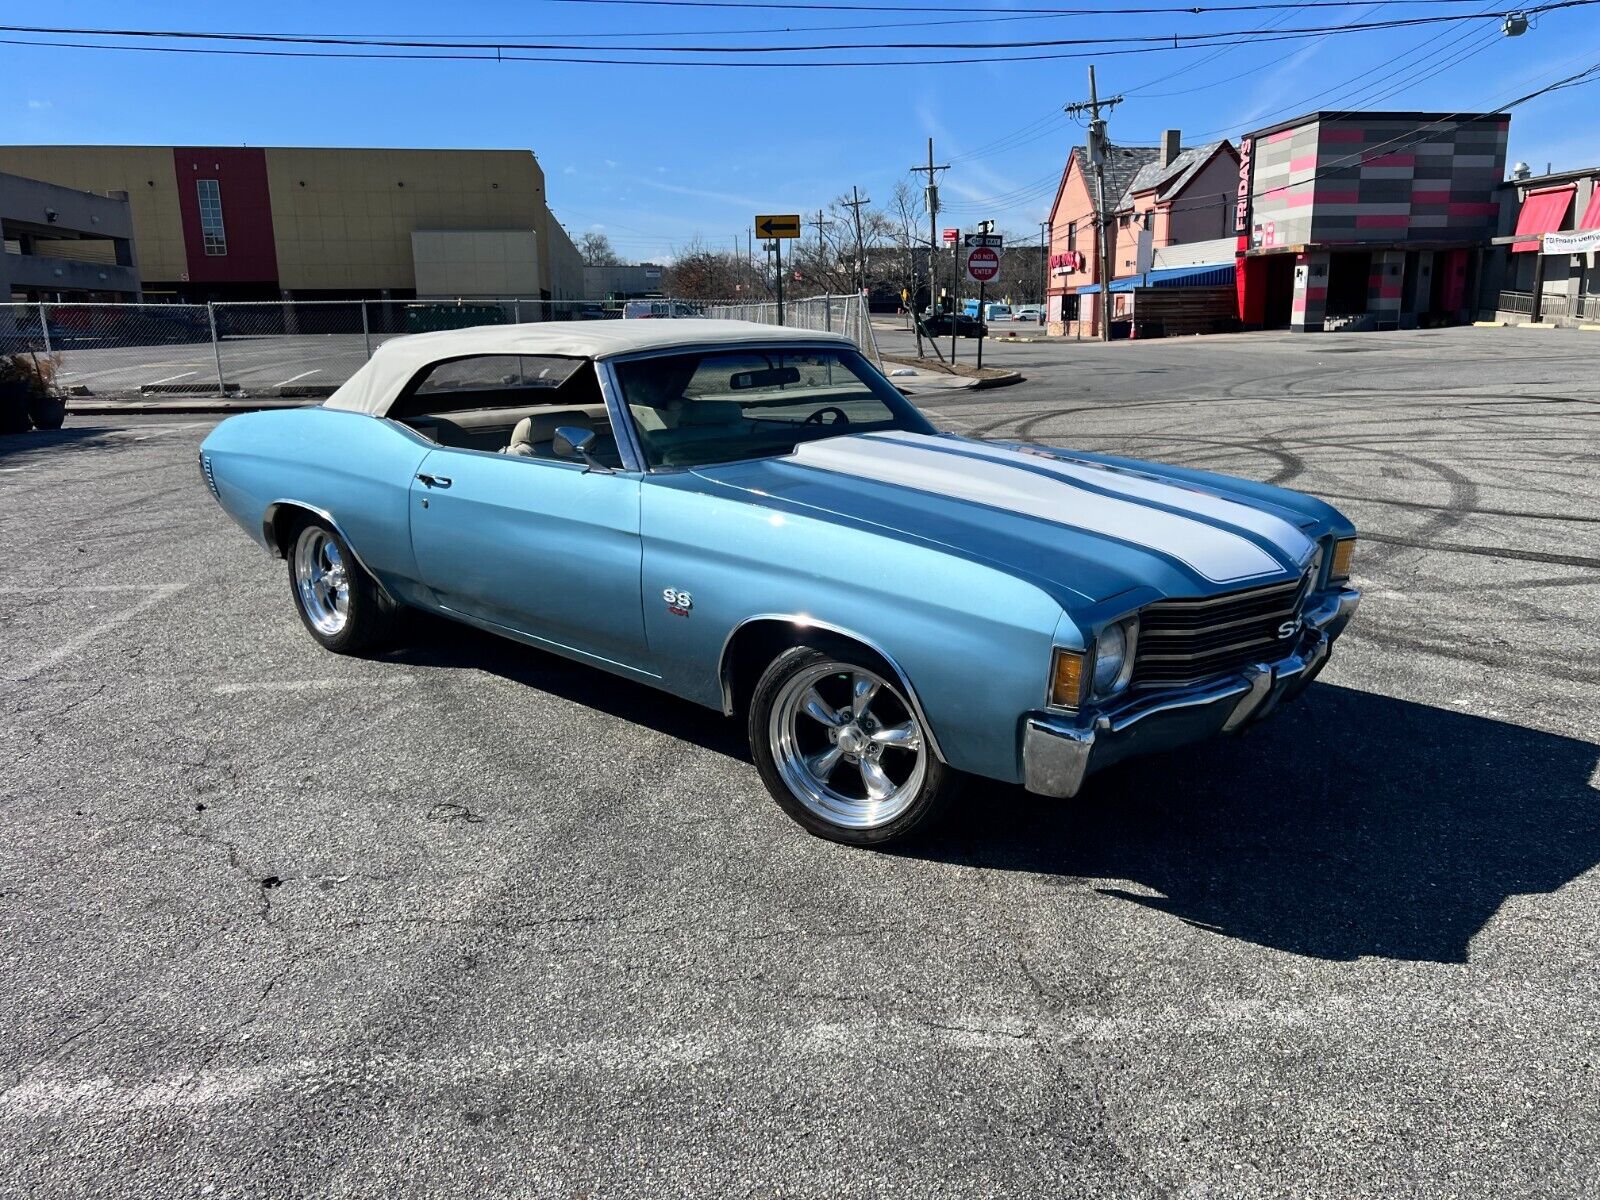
x=635, y=310
x=1029, y=312
x=753, y=519
x=965, y=326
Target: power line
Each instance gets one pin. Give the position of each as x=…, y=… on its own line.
x=1203, y=39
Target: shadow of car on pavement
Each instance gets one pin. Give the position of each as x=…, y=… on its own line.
x=1348, y=825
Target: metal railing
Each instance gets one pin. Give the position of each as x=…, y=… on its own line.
x=1553, y=306
x=304, y=348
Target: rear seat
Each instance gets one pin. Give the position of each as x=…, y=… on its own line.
x=490, y=429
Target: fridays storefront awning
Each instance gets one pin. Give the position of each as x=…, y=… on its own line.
x=1543, y=211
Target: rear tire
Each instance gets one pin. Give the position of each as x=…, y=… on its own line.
x=341, y=606
x=842, y=749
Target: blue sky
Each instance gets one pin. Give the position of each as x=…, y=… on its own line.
x=658, y=155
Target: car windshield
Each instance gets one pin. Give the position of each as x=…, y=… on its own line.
x=724, y=405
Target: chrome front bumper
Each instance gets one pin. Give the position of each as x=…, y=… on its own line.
x=1060, y=750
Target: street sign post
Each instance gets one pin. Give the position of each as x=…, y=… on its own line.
x=950, y=236
x=775, y=227
x=983, y=268
x=983, y=264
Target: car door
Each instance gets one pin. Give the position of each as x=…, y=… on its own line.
x=543, y=547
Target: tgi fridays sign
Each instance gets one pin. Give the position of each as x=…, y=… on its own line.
x=1585, y=241
x=1241, y=209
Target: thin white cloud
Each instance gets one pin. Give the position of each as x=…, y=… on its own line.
x=36, y=105
x=702, y=194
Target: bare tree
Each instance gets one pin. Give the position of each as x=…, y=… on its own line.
x=596, y=249
x=699, y=273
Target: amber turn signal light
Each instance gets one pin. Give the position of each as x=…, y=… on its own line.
x=1343, y=551
x=1066, y=679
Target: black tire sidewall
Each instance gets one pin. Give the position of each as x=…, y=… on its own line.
x=938, y=785
x=370, y=617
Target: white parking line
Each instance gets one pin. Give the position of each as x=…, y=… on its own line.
x=304, y=685
x=302, y=375
x=170, y=378
x=73, y=644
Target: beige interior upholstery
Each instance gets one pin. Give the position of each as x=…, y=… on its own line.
x=534, y=434
x=492, y=428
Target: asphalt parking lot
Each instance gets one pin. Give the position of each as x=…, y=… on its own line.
x=465, y=919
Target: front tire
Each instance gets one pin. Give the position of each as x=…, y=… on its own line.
x=842, y=749
x=341, y=605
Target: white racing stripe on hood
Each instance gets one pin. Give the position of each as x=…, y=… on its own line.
x=1172, y=493
x=1219, y=555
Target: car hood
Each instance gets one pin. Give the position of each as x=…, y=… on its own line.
x=1080, y=524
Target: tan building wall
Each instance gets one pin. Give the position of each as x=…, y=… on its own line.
x=476, y=263
x=343, y=219
x=144, y=172
x=565, y=280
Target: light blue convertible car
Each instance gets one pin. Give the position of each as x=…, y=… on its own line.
x=756, y=520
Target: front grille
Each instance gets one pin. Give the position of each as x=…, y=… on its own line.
x=1185, y=641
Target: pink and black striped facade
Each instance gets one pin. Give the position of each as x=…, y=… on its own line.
x=1366, y=220
x=1377, y=178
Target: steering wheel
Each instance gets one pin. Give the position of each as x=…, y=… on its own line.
x=840, y=417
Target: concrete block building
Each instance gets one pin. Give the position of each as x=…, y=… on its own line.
x=64, y=244
x=296, y=223
x=1376, y=220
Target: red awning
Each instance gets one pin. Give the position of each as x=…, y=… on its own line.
x=1591, y=216
x=1543, y=211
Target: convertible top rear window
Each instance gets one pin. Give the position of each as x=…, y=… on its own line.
x=716, y=406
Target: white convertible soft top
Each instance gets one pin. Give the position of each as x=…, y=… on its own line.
x=373, y=388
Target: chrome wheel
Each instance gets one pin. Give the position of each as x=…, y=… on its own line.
x=848, y=745
x=321, y=580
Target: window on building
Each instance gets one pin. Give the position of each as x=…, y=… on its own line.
x=1072, y=235
x=212, y=232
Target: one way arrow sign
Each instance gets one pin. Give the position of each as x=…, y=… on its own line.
x=785, y=225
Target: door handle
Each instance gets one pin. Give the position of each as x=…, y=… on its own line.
x=434, y=481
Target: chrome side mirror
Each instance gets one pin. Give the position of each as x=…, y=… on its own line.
x=570, y=441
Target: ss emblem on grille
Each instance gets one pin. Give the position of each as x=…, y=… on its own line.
x=1289, y=628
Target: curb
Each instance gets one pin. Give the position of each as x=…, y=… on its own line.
x=1490, y=324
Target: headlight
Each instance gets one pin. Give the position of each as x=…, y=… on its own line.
x=1113, y=659
x=1343, y=551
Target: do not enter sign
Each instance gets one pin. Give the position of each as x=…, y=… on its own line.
x=983, y=264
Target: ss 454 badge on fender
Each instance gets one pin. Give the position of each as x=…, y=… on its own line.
x=678, y=603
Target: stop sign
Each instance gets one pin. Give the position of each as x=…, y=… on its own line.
x=983, y=264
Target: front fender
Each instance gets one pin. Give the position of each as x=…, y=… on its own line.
x=972, y=642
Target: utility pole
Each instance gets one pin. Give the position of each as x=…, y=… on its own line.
x=1044, y=268
x=822, y=251
x=855, y=202
x=931, y=192
x=1099, y=147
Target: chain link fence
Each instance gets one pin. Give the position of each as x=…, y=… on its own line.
x=307, y=348
x=845, y=314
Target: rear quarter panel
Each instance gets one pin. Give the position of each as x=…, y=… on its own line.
x=974, y=641
x=355, y=467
